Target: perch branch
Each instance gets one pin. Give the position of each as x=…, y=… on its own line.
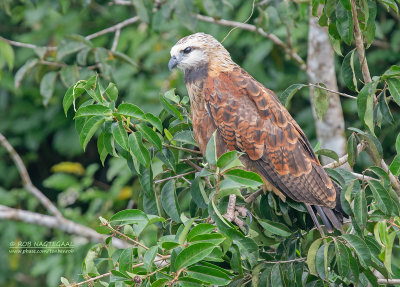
x=26, y=180
x=389, y=281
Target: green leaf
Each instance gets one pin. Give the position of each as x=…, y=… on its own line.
x=130, y=110
x=7, y=52
x=141, y=10
x=352, y=150
x=342, y=259
x=47, y=86
x=349, y=68
x=198, y=194
x=124, y=58
x=202, y=228
x=276, y=279
x=170, y=108
x=209, y=275
x=244, y=177
x=321, y=102
x=384, y=109
x=69, y=75
x=211, y=150
x=286, y=96
x=397, y=145
x=388, y=252
x=25, y=69
x=346, y=4
x=101, y=148
x=275, y=227
x=394, y=88
x=138, y=150
x=185, y=136
x=67, y=47
x=120, y=135
x=329, y=153
x=88, y=130
x=193, y=254
x=188, y=223
x=214, y=238
x=149, y=257
x=154, y=121
x=365, y=104
x=68, y=99
x=169, y=201
x=150, y=135
x=361, y=249
x=344, y=23
x=393, y=71
x=311, y=256
x=229, y=160
x=160, y=282
x=390, y=4
x=395, y=165
x=137, y=218
x=360, y=209
x=170, y=95
x=93, y=110
x=112, y=92
x=381, y=196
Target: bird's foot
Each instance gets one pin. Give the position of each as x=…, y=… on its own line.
x=233, y=212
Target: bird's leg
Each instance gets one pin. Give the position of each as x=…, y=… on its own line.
x=233, y=212
x=314, y=218
x=230, y=210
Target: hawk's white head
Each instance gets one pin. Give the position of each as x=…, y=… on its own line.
x=196, y=51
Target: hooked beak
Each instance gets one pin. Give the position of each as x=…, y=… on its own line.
x=172, y=63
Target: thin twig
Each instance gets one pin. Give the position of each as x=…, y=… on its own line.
x=182, y=148
x=254, y=28
x=26, y=45
x=332, y=91
x=287, y=261
x=114, y=28
x=254, y=195
x=116, y=38
x=344, y=158
x=174, y=177
x=91, y=279
x=26, y=180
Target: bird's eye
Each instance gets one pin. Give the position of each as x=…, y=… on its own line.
x=187, y=50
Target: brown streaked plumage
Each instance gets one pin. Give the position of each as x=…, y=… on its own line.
x=249, y=118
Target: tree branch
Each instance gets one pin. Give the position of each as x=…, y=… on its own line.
x=344, y=158
x=63, y=224
x=26, y=180
x=254, y=28
x=389, y=281
x=360, y=44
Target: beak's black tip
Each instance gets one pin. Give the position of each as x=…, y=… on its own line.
x=172, y=63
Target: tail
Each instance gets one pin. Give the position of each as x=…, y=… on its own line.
x=331, y=218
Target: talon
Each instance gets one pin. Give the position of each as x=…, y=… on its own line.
x=249, y=216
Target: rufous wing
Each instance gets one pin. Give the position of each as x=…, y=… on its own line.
x=250, y=118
